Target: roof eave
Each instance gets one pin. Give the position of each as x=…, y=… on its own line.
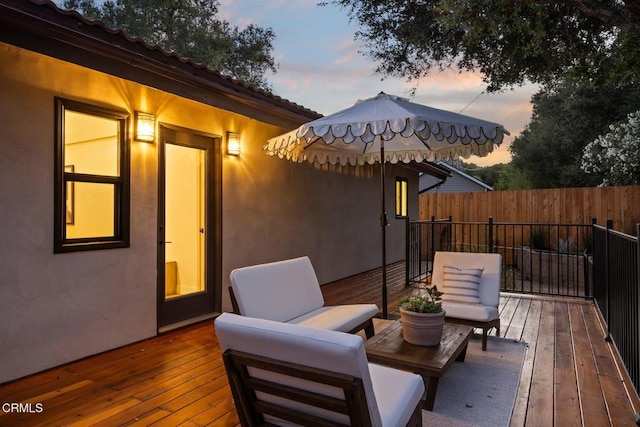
x=41, y=27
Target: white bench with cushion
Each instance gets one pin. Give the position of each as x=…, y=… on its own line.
x=471, y=286
x=295, y=375
x=288, y=291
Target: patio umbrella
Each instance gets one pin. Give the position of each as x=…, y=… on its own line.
x=383, y=129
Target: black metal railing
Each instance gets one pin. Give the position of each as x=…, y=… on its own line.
x=423, y=240
x=543, y=259
x=616, y=262
x=577, y=260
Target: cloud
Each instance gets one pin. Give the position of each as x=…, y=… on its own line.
x=463, y=80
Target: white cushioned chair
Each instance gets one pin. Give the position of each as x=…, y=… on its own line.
x=288, y=291
x=477, y=304
x=288, y=374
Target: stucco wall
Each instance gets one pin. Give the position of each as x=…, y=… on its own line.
x=56, y=308
x=329, y=213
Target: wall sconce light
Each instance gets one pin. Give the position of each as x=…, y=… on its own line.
x=233, y=144
x=145, y=127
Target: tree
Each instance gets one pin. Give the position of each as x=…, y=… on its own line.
x=564, y=120
x=513, y=179
x=616, y=155
x=191, y=29
x=509, y=42
x=584, y=53
x=488, y=174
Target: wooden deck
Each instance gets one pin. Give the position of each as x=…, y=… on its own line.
x=570, y=376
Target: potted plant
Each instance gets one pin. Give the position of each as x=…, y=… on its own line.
x=422, y=318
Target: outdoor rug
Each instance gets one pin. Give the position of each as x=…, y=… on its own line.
x=482, y=390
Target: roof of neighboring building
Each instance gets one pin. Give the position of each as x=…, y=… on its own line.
x=40, y=26
x=430, y=168
x=453, y=170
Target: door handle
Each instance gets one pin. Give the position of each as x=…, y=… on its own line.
x=163, y=242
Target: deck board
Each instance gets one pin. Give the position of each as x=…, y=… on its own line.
x=507, y=313
x=592, y=401
x=567, y=412
x=570, y=375
x=606, y=369
x=529, y=336
x=541, y=404
x=516, y=326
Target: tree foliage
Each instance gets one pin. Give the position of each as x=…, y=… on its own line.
x=564, y=120
x=513, y=179
x=490, y=175
x=616, y=155
x=499, y=176
x=191, y=29
x=509, y=42
x=584, y=53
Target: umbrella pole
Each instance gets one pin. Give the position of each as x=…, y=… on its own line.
x=383, y=226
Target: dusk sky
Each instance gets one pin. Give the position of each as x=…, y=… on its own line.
x=320, y=67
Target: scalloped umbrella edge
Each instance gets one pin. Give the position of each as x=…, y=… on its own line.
x=387, y=128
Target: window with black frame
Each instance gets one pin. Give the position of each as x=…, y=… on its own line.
x=402, y=194
x=91, y=177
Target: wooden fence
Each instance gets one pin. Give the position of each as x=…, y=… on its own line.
x=546, y=206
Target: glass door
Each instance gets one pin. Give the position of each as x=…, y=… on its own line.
x=187, y=250
x=184, y=247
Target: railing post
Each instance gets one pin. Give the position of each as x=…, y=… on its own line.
x=431, y=251
x=490, y=245
x=607, y=280
x=407, y=251
x=589, y=278
x=637, y=415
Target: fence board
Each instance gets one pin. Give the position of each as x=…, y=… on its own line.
x=558, y=205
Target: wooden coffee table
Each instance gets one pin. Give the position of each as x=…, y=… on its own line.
x=431, y=362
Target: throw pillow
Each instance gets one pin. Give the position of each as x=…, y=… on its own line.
x=461, y=285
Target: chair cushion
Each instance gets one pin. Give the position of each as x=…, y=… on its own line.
x=319, y=348
x=395, y=403
x=278, y=291
x=461, y=285
x=341, y=318
x=479, y=313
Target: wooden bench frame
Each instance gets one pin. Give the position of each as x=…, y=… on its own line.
x=251, y=409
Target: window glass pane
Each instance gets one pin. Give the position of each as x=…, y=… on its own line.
x=90, y=208
x=405, y=196
x=92, y=184
x=185, y=215
x=91, y=144
x=398, y=197
x=402, y=194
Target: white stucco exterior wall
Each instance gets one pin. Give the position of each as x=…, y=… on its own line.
x=57, y=308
